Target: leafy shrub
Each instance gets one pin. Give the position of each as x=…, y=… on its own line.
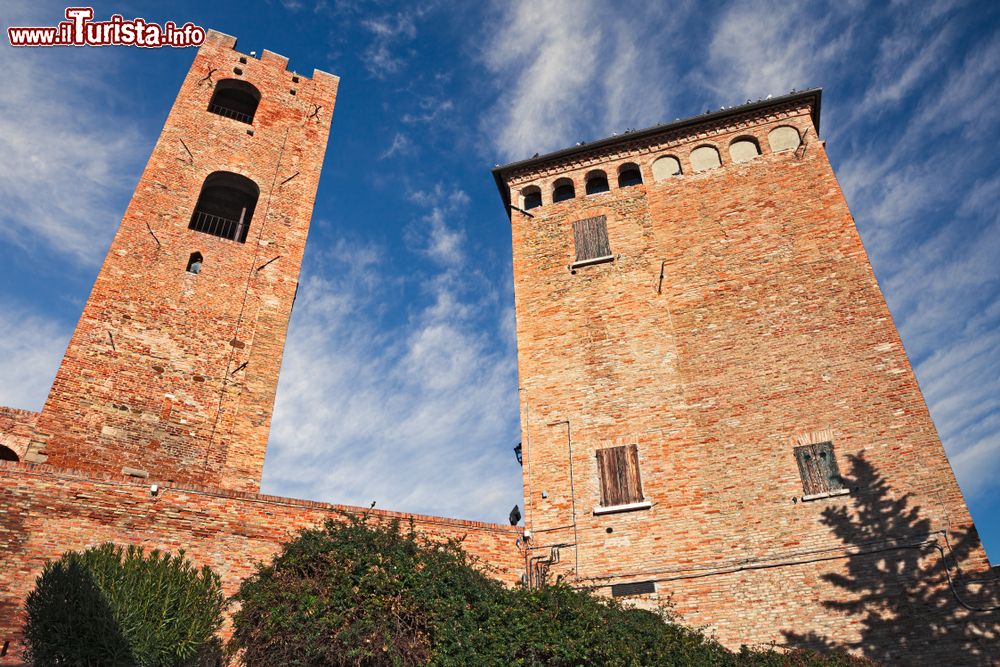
x=112, y=606
x=354, y=593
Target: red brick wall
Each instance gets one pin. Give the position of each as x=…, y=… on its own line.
x=768, y=329
x=174, y=373
x=16, y=429
x=45, y=512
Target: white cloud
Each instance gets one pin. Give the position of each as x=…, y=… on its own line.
x=576, y=71
x=31, y=347
x=68, y=168
x=401, y=145
x=418, y=413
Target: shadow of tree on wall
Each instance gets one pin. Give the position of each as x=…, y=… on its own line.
x=897, y=583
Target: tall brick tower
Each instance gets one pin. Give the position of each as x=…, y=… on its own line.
x=715, y=403
x=173, y=367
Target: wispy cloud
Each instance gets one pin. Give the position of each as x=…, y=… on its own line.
x=389, y=32
x=401, y=144
x=31, y=347
x=418, y=414
x=574, y=72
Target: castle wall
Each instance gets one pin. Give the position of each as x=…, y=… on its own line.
x=45, y=512
x=739, y=318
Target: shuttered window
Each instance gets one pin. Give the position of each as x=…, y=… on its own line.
x=619, y=470
x=818, y=468
x=590, y=237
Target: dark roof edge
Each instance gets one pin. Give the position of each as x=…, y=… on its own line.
x=815, y=93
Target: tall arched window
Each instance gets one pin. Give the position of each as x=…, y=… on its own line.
x=531, y=197
x=562, y=190
x=235, y=99
x=225, y=206
x=597, y=181
x=629, y=174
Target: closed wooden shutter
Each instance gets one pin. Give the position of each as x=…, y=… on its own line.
x=818, y=468
x=619, y=471
x=590, y=238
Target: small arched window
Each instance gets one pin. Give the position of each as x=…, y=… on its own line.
x=194, y=263
x=665, y=167
x=628, y=175
x=8, y=454
x=744, y=149
x=225, y=206
x=597, y=181
x=562, y=190
x=784, y=138
x=704, y=158
x=235, y=99
x=531, y=197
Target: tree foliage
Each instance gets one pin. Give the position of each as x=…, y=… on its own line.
x=358, y=593
x=112, y=606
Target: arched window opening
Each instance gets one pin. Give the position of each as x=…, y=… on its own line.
x=194, y=263
x=665, y=167
x=744, y=149
x=784, y=138
x=704, y=158
x=235, y=99
x=8, y=454
x=225, y=206
x=531, y=197
x=563, y=190
x=629, y=175
x=597, y=181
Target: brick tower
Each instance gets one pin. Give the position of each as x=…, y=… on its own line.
x=172, y=369
x=711, y=379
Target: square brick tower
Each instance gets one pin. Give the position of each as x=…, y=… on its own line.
x=172, y=370
x=716, y=405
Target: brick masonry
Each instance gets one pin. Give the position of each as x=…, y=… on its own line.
x=46, y=511
x=174, y=374
x=739, y=318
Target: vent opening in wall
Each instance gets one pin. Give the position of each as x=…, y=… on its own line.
x=597, y=182
x=194, y=263
x=629, y=175
x=531, y=197
x=633, y=588
x=563, y=190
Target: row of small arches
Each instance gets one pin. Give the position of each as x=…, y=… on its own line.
x=702, y=158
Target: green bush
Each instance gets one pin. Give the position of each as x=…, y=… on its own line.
x=111, y=606
x=354, y=593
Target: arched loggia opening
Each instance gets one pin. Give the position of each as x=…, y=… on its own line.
x=8, y=454
x=225, y=206
x=235, y=99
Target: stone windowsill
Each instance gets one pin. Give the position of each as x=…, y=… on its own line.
x=630, y=507
x=588, y=262
x=826, y=494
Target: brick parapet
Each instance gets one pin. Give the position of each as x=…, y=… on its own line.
x=45, y=511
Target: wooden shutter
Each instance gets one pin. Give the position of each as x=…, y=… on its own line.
x=590, y=238
x=619, y=471
x=818, y=468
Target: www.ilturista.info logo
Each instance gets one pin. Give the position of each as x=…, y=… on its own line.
x=80, y=30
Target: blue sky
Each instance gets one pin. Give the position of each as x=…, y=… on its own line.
x=399, y=383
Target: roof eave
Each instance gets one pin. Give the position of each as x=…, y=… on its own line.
x=498, y=172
